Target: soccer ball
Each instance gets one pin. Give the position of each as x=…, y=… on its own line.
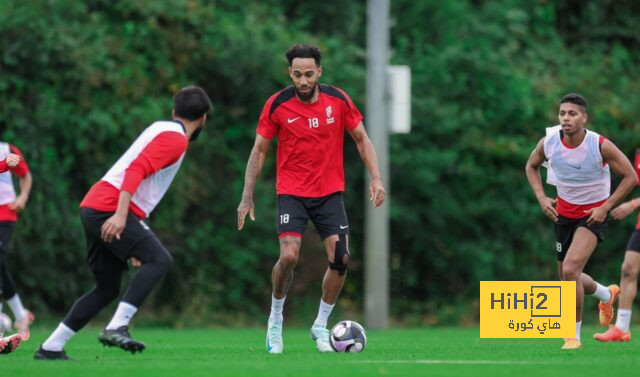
x=348, y=336
x=5, y=323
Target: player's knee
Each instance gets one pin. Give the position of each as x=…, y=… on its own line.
x=288, y=258
x=629, y=271
x=570, y=271
x=165, y=261
x=340, y=256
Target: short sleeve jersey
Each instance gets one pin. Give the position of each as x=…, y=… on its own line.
x=310, y=139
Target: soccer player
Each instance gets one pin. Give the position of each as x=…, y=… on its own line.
x=309, y=120
x=10, y=206
x=112, y=214
x=581, y=161
x=629, y=275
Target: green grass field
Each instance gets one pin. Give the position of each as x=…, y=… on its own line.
x=401, y=352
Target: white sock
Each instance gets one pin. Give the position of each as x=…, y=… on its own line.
x=16, y=307
x=578, y=326
x=623, y=320
x=323, y=314
x=123, y=316
x=58, y=338
x=277, y=305
x=602, y=293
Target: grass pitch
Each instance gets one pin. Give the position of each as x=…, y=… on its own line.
x=401, y=352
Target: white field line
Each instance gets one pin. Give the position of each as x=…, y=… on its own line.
x=461, y=362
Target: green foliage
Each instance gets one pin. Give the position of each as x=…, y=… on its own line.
x=79, y=80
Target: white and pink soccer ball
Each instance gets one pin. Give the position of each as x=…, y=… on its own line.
x=348, y=336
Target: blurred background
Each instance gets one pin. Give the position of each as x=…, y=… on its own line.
x=80, y=79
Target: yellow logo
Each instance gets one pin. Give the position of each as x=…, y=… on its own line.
x=527, y=309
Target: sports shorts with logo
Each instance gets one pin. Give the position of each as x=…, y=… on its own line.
x=566, y=228
x=113, y=256
x=327, y=213
x=634, y=241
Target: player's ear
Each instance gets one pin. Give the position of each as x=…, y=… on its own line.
x=290, y=72
x=319, y=71
x=173, y=113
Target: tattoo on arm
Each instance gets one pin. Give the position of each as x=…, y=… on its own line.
x=254, y=167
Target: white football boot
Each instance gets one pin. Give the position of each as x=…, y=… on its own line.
x=274, y=336
x=320, y=335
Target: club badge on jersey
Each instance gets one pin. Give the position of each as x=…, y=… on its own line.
x=329, y=110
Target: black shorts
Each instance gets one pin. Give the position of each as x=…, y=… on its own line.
x=113, y=256
x=327, y=213
x=566, y=228
x=6, y=232
x=634, y=241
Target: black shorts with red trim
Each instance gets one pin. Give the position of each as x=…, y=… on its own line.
x=327, y=213
x=566, y=228
x=634, y=241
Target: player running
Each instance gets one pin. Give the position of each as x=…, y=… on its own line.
x=112, y=214
x=10, y=205
x=580, y=160
x=309, y=120
x=629, y=274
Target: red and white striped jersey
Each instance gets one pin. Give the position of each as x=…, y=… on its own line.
x=146, y=170
x=7, y=190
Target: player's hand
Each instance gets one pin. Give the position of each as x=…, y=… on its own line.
x=246, y=206
x=598, y=215
x=548, y=206
x=376, y=192
x=623, y=210
x=18, y=205
x=13, y=160
x=135, y=262
x=113, y=227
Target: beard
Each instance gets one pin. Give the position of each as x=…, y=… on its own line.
x=308, y=96
x=195, y=134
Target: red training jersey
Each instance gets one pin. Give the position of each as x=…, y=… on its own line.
x=6, y=213
x=310, y=139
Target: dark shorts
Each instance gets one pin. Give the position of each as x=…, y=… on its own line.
x=566, y=228
x=113, y=256
x=327, y=213
x=6, y=232
x=634, y=241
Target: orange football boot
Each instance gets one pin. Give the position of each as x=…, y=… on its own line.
x=614, y=334
x=606, y=308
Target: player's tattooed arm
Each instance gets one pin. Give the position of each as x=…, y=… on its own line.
x=254, y=167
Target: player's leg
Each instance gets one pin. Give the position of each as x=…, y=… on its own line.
x=628, y=286
x=582, y=246
x=292, y=221
x=330, y=218
x=83, y=310
x=23, y=317
x=107, y=272
x=281, y=278
x=156, y=262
